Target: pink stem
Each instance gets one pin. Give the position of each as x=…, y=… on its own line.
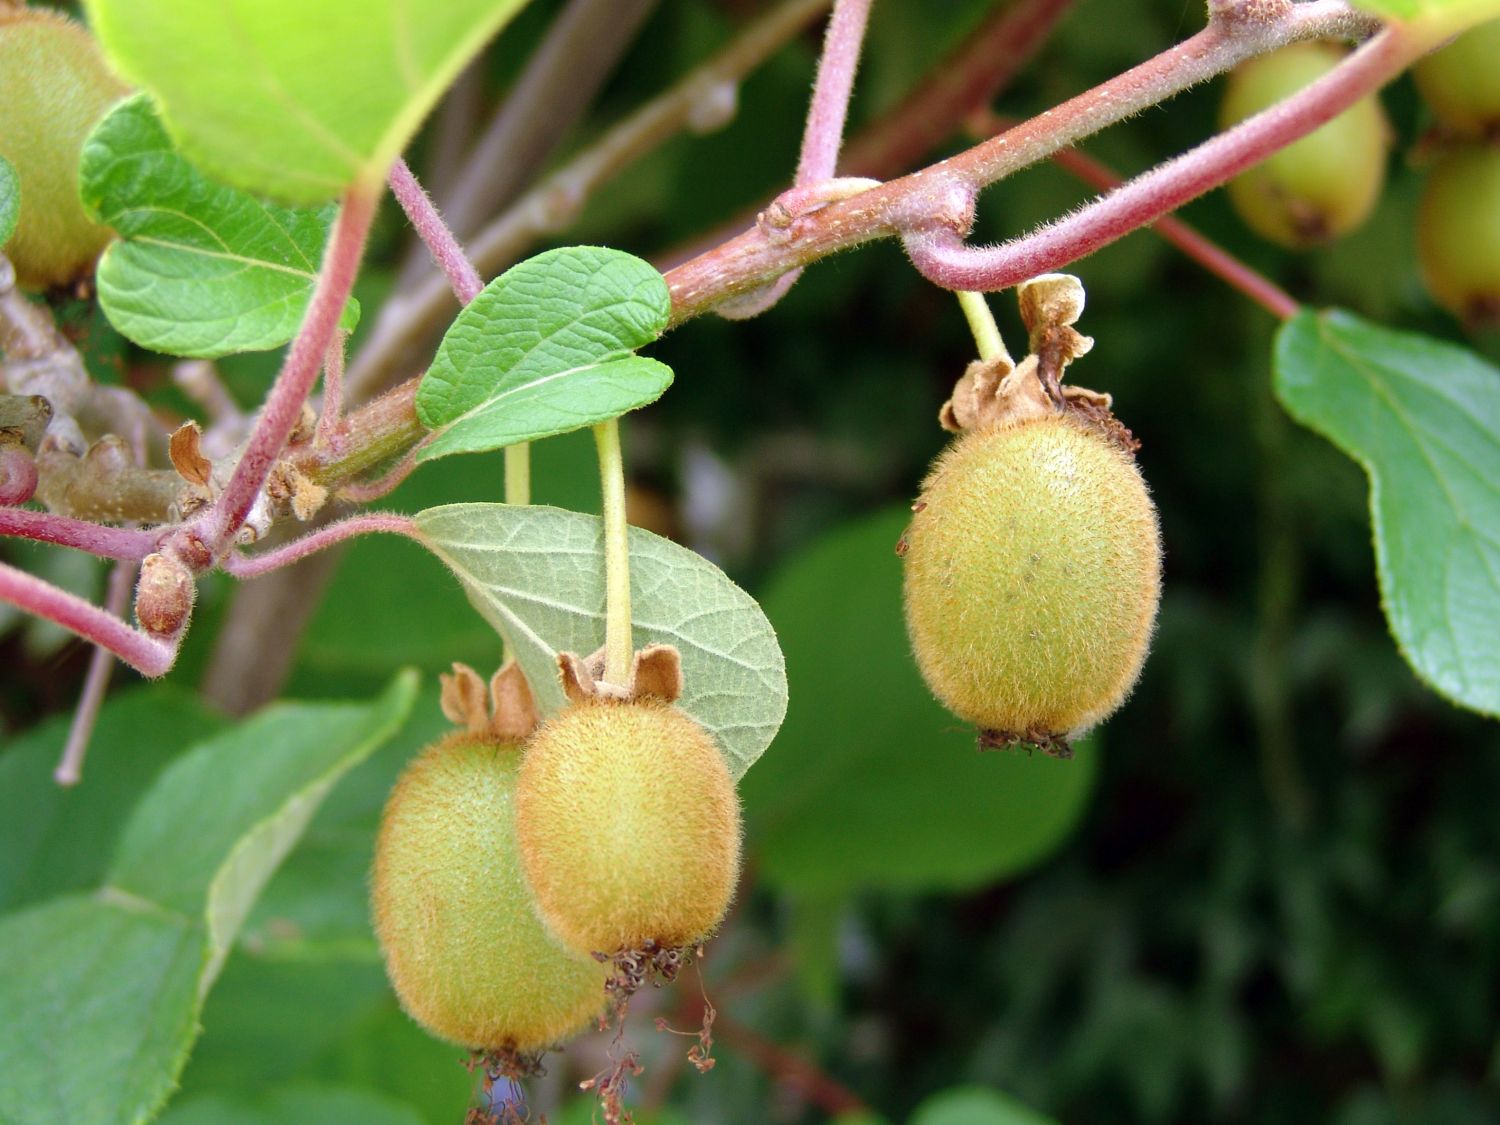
x=362, y=492
x=333, y=386
x=824, y=135
x=942, y=256
x=151, y=656
x=429, y=225
x=283, y=406
x=70, y=766
x=250, y=566
x=1207, y=253
x=107, y=542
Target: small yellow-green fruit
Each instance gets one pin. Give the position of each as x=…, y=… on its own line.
x=1458, y=233
x=464, y=947
x=1462, y=81
x=1033, y=572
x=1322, y=186
x=629, y=826
x=54, y=87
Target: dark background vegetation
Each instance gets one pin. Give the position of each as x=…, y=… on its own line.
x=1268, y=892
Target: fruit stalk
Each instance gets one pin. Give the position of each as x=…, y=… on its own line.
x=618, y=646
x=982, y=325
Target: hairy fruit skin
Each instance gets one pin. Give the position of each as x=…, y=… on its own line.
x=629, y=826
x=464, y=947
x=1322, y=186
x=1462, y=81
x=1033, y=573
x=54, y=87
x=1458, y=233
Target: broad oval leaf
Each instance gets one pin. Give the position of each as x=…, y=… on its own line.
x=297, y=99
x=537, y=575
x=875, y=785
x=546, y=348
x=1423, y=418
x=201, y=269
x=10, y=200
x=117, y=977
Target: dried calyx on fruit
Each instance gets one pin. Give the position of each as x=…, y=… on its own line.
x=464, y=947
x=628, y=820
x=1323, y=185
x=54, y=87
x=1033, y=558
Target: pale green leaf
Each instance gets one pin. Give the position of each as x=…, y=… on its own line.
x=116, y=978
x=544, y=349
x=537, y=575
x=10, y=200
x=297, y=99
x=976, y=1105
x=872, y=784
x=201, y=269
x=1423, y=418
x=1449, y=15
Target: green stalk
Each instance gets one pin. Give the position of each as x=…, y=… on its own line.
x=518, y=474
x=982, y=324
x=618, y=647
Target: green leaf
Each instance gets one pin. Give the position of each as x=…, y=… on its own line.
x=975, y=1105
x=200, y=269
x=326, y=1105
x=297, y=99
x=872, y=783
x=10, y=200
x=1423, y=418
x=54, y=841
x=537, y=575
x=116, y=978
x=544, y=349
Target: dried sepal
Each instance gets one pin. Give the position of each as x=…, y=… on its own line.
x=185, y=450
x=656, y=672
x=504, y=710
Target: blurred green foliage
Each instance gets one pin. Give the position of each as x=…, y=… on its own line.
x=1280, y=897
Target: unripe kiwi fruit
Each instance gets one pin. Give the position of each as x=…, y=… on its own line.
x=464, y=946
x=1032, y=576
x=1319, y=187
x=54, y=87
x=1462, y=81
x=629, y=826
x=1458, y=233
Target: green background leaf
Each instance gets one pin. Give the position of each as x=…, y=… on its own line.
x=537, y=575
x=114, y=980
x=871, y=782
x=1423, y=418
x=10, y=200
x=292, y=98
x=326, y=1105
x=201, y=269
x=976, y=1105
x=1450, y=12
x=544, y=349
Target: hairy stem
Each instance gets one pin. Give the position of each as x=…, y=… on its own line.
x=129, y=544
x=942, y=197
x=618, y=645
x=283, y=406
x=1186, y=238
x=446, y=251
x=250, y=566
x=942, y=256
x=824, y=134
x=151, y=656
x=69, y=769
x=982, y=324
